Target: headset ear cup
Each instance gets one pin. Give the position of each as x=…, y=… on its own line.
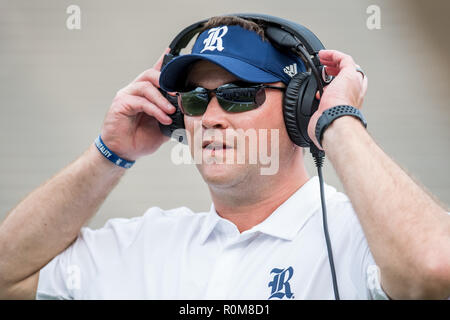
x=292, y=108
x=176, y=129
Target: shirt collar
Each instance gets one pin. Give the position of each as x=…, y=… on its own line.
x=288, y=219
x=212, y=218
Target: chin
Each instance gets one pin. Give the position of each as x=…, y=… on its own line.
x=222, y=175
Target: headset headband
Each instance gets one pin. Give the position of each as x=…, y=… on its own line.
x=307, y=38
x=282, y=33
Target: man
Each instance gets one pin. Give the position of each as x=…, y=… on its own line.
x=262, y=238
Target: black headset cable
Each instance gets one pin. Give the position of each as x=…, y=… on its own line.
x=319, y=156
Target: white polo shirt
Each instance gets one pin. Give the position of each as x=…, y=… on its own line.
x=179, y=254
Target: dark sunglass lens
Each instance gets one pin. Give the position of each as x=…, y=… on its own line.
x=194, y=103
x=260, y=97
x=237, y=99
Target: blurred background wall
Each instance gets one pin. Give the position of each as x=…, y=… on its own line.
x=56, y=85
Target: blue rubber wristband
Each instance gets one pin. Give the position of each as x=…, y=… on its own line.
x=111, y=156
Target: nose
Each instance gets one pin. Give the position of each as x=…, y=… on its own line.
x=214, y=117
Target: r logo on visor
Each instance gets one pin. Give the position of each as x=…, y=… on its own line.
x=214, y=40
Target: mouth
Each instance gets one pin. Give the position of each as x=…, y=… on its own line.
x=214, y=145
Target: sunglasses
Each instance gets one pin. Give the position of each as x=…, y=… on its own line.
x=232, y=97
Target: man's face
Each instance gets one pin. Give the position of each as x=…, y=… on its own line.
x=220, y=167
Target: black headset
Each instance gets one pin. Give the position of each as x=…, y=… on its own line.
x=300, y=97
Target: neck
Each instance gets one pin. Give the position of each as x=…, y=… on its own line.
x=251, y=202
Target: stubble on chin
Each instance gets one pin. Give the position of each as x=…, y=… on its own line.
x=225, y=175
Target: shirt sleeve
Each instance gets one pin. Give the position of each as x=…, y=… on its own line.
x=74, y=272
x=368, y=273
x=373, y=281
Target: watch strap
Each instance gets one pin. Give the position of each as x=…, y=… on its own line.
x=329, y=115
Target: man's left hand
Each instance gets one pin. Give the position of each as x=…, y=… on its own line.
x=348, y=87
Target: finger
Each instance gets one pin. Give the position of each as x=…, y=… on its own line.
x=136, y=104
x=341, y=59
x=318, y=92
x=151, y=75
x=328, y=63
x=147, y=90
x=332, y=71
x=156, y=67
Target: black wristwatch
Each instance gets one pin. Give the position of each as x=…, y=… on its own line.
x=328, y=116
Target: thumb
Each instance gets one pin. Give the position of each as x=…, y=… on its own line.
x=318, y=92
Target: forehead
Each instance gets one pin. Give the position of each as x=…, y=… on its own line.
x=204, y=72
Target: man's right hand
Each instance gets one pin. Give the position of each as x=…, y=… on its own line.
x=130, y=128
x=49, y=219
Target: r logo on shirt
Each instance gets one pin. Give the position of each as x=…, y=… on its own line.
x=280, y=283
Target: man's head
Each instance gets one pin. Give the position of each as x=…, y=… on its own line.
x=238, y=46
x=232, y=49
